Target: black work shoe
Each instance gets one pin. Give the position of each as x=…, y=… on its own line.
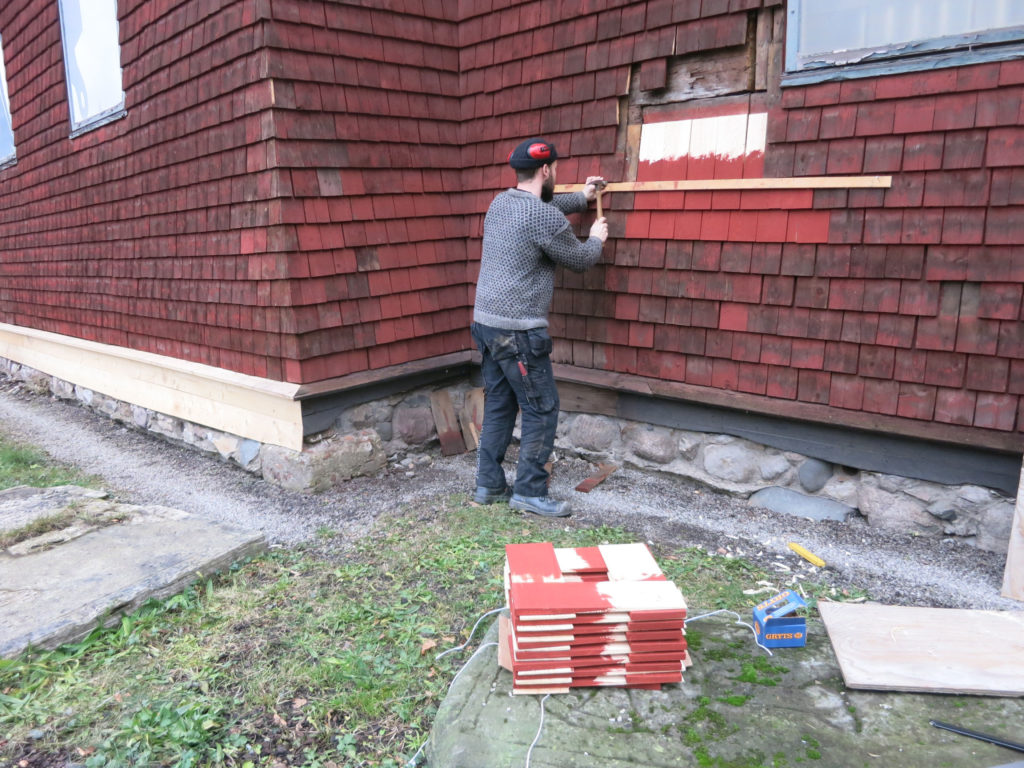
x=540, y=505
x=491, y=495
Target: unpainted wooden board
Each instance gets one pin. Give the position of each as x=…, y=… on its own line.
x=762, y=48
x=447, y=425
x=795, y=182
x=1013, y=576
x=928, y=650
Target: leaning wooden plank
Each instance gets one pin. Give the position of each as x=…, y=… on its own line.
x=446, y=423
x=1013, y=576
x=470, y=434
x=928, y=650
x=471, y=417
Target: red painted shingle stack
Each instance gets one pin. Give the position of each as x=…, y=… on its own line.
x=590, y=616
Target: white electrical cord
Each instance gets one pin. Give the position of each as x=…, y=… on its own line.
x=414, y=760
x=540, y=727
x=472, y=632
x=738, y=621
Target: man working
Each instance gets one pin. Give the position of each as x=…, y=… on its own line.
x=526, y=235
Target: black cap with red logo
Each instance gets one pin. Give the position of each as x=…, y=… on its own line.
x=532, y=153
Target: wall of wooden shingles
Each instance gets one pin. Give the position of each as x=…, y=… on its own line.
x=373, y=224
x=298, y=190
x=912, y=297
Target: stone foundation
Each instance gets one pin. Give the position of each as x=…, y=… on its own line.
x=366, y=434
x=805, y=486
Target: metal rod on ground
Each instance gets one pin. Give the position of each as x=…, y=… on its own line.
x=975, y=735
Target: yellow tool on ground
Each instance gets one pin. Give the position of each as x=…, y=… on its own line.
x=808, y=556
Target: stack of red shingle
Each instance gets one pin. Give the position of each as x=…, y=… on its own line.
x=590, y=616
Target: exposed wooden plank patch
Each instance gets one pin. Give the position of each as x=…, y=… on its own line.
x=698, y=76
x=447, y=425
x=929, y=650
x=1013, y=576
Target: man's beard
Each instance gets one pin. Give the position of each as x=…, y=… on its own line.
x=547, y=190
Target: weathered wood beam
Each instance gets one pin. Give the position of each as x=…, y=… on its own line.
x=610, y=385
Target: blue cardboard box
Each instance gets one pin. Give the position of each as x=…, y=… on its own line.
x=775, y=625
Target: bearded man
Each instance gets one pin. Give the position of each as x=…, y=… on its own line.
x=526, y=236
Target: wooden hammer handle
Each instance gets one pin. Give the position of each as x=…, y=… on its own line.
x=600, y=210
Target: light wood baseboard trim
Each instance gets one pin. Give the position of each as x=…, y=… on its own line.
x=246, y=406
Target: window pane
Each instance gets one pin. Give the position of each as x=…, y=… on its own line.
x=6, y=133
x=828, y=26
x=92, y=57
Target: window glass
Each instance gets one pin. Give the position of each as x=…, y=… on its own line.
x=845, y=31
x=6, y=131
x=92, y=60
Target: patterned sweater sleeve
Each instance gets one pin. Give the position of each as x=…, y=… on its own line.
x=566, y=249
x=573, y=202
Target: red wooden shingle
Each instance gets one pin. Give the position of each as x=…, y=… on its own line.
x=993, y=411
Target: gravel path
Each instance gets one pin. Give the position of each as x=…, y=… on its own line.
x=140, y=468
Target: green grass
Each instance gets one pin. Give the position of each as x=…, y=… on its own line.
x=23, y=465
x=37, y=527
x=303, y=659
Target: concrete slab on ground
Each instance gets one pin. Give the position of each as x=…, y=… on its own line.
x=736, y=707
x=103, y=560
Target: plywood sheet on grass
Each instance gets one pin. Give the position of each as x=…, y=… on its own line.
x=936, y=650
x=1013, y=576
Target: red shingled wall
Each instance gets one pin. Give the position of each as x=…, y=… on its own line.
x=331, y=222
x=142, y=233
x=296, y=228
x=366, y=124
x=926, y=278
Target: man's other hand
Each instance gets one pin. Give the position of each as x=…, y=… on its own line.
x=599, y=229
x=593, y=184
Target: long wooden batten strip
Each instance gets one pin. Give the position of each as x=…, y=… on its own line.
x=705, y=185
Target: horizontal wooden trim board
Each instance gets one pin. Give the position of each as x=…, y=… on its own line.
x=614, y=383
x=376, y=375
x=799, y=182
x=247, y=406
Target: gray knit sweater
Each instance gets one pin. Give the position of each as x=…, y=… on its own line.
x=524, y=239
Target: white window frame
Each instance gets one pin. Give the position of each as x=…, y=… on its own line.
x=111, y=112
x=5, y=110
x=933, y=53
